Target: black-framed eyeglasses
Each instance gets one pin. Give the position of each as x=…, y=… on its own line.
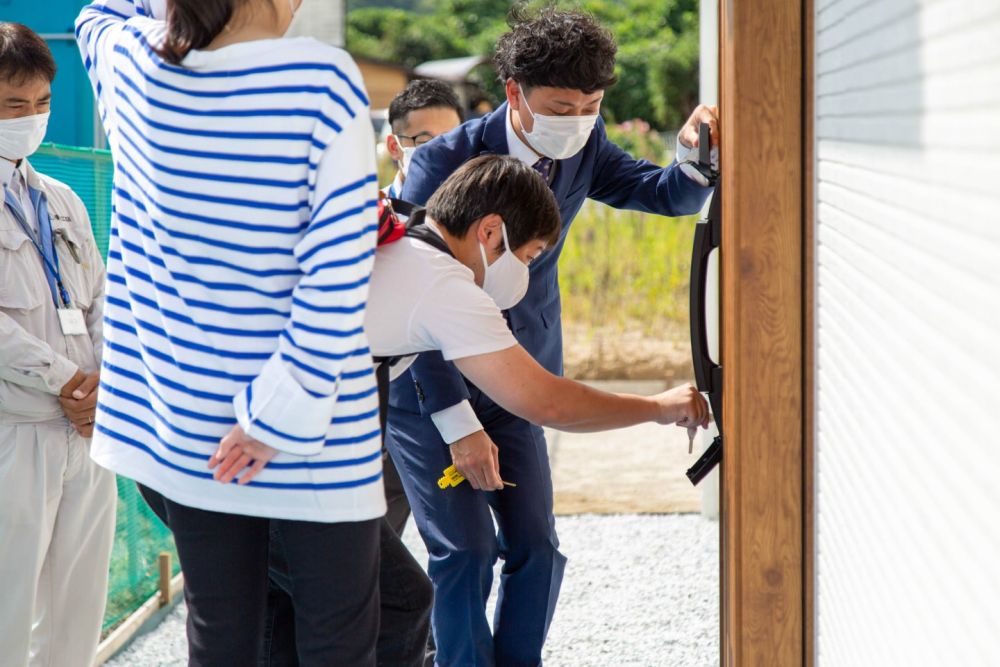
x=418, y=140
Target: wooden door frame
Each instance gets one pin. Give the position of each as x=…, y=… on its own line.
x=808, y=334
x=766, y=491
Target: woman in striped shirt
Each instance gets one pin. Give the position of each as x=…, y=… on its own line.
x=242, y=240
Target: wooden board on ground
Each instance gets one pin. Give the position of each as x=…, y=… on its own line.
x=638, y=470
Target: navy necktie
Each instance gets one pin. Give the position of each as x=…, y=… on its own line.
x=544, y=167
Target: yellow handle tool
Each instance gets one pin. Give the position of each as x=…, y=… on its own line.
x=451, y=477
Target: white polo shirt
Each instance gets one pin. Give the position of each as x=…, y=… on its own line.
x=422, y=299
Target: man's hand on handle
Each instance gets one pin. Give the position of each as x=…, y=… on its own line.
x=702, y=114
x=477, y=458
x=684, y=406
x=688, y=140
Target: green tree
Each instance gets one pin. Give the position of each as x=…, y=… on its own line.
x=657, y=57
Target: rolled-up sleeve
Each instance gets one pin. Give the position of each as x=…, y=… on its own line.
x=290, y=404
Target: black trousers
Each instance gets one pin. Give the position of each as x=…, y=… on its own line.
x=398, y=508
x=405, y=598
x=332, y=580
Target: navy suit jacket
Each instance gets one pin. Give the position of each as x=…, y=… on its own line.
x=601, y=171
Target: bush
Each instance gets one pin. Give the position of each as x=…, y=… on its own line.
x=625, y=269
x=639, y=140
x=657, y=61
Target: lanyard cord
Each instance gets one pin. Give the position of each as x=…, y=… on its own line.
x=51, y=264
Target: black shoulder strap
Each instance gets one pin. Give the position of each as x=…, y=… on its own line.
x=403, y=207
x=382, y=379
x=417, y=229
x=383, y=372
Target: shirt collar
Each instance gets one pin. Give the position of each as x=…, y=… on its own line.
x=517, y=148
x=28, y=176
x=395, y=189
x=31, y=177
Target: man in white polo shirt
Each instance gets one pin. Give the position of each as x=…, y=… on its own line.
x=442, y=287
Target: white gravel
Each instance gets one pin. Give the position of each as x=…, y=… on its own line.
x=639, y=591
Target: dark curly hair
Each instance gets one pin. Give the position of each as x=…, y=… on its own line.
x=562, y=49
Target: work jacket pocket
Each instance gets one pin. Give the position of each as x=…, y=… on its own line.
x=22, y=279
x=75, y=254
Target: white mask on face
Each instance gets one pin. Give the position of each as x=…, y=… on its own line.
x=506, y=279
x=558, y=137
x=20, y=137
x=407, y=156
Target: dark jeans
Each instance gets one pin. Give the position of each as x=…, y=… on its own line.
x=406, y=598
x=333, y=581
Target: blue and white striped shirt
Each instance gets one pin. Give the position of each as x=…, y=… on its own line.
x=242, y=241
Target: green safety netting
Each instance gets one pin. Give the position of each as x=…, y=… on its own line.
x=139, y=535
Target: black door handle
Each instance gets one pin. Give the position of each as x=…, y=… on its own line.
x=707, y=373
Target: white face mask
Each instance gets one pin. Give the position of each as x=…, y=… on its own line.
x=407, y=156
x=506, y=279
x=20, y=137
x=558, y=137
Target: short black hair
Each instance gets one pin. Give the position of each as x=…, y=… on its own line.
x=422, y=94
x=24, y=55
x=502, y=185
x=561, y=49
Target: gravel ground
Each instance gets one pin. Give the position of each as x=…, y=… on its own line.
x=639, y=591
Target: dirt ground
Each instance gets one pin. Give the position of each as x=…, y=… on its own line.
x=637, y=470
x=591, y=353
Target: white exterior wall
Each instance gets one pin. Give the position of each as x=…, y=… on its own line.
x=323, y=19
x=708, y=92
x=908, y=332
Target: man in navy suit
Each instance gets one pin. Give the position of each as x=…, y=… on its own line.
x=556, y=66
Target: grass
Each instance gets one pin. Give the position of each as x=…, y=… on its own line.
x=134, y=570
x=622, y=270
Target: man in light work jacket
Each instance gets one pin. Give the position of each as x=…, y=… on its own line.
x=556, y=67
x=57, y=507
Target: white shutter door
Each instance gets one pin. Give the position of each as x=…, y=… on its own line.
x=908, y=332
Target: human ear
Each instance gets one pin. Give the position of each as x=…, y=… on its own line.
x=513, y=94
x=488, y=232
x=395, y=150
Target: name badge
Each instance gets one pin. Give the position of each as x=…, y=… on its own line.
x=72, y=322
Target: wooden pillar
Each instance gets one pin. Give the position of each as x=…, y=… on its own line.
x=808, y=338
x=762, y=332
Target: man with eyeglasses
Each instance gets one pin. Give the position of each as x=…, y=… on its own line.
x=425, y=109
x=422, y=111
